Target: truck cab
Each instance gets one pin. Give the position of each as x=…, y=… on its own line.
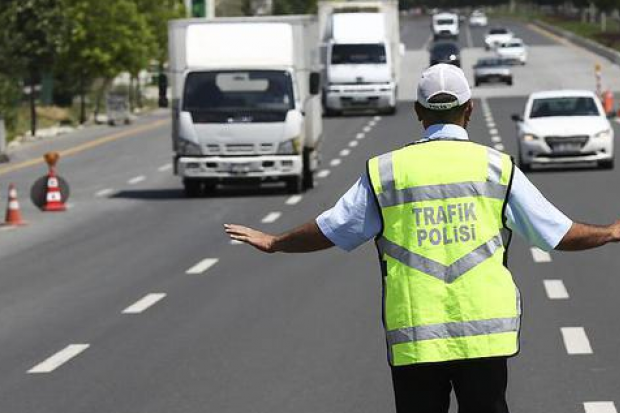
x=445, y=25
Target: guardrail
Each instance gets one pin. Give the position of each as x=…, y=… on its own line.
x=603, y=51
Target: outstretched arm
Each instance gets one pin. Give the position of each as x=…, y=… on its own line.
x=305, y=238
x=585, y=236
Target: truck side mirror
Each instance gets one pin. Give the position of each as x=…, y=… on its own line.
x=516, y=118
x=315, y=83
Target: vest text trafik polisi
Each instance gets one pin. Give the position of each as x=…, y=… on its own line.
x=454, y=223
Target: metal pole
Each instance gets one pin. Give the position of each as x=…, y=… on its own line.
x=3, y=155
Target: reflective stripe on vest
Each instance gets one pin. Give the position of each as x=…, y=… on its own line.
x=447, y=330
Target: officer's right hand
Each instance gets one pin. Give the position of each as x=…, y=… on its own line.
x=259, y=240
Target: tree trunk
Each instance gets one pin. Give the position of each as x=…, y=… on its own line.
x=100, y=93
x=82, y=101
x=33, y=106
x=603, y=22
x=131, y=92
x=138, y=92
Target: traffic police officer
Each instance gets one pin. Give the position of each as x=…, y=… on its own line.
x=441, y=211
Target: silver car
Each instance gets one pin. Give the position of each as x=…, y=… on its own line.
x=492, y=69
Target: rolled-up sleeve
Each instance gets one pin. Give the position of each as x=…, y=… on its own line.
x=354, y=219
x=532, y=216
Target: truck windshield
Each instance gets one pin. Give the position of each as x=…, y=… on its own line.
x=343, y=54
x=238, y=91
x=443, y=22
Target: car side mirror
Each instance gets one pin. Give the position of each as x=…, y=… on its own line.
x=315, y=83
x=517, y=118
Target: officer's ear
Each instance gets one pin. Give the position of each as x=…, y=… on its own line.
x=469, y=110
x=419, y=110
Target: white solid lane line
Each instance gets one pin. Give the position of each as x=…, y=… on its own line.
x=202, y=266
x=360, y=136
x=294, y=200
x=58, y=359
x=353, y=144
x=540, y=255
x=345, y=152
x=271, y=217
x=165, y=167
x=576, y=341
x=555, y=289
x=323, y=173
x=136, y=180
x=104, y=192
x=335, y=162
x=144, y=303
x=600, y=407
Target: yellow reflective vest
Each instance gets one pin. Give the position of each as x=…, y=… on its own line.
x=447, y=292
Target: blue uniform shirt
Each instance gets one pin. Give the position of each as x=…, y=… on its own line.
x=356, y=219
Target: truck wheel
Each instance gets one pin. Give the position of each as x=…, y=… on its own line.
x=193, y=188
x=331, y=113
x=294, y=185
x=308, y=174
x=391, y=111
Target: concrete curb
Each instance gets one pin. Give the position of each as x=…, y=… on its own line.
x=603, y=51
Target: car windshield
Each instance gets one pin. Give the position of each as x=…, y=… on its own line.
x=230, y=91
x=445, y=21
x=498, y=31
x=490, y=63
x=564, y=106
x=358, y=54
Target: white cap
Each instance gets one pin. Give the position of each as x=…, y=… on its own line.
x=443, y=79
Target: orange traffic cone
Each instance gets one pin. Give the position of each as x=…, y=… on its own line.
x=53, y=199
x=13, y=213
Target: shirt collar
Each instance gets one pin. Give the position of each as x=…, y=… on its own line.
x=445, y=131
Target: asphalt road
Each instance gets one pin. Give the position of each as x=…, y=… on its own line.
x=232, y=330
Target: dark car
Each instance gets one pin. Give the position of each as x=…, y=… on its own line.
x=445, y=52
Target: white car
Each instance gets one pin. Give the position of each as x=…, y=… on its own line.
x=496, y=36
x=445, y=25
x=513, y=51
x=478, y=18
x=564, y=127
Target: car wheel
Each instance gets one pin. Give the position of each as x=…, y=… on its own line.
x=308, y=174
x=524, y=166
x=509, y=82
x=607, y=164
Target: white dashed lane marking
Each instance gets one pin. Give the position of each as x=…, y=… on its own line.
x=555, y=290
x=235, y=242
x=136, y=180
x=360, y=136
x=202, y=266
x=599, y=407
x=144, y=303
x=496, y=139
x=377, y=118
x=271, y=217
x=353, y=144
x=104, y=192
x=335, y=162
x=323, y=173
x=576, y=341
x=58, y=359
x=540, y=255
x=499, y=147
x=345, y=152
x=493, y=131
x=294, y=200
x=165, y=167
x=367, y=129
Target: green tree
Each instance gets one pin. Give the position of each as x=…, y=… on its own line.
x=31, y=33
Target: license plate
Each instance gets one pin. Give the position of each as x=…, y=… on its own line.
x=240, y=168
x=566, y=147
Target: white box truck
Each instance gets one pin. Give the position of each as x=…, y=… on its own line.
x=445, y=25
x=361, y=55
x=246, y=105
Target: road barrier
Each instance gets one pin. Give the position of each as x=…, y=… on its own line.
x=604, y=51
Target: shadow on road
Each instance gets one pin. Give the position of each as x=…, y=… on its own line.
x=222, y=192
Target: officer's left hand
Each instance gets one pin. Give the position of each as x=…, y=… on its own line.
x=259, y=240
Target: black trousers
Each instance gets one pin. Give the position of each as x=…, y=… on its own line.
x=479, y=386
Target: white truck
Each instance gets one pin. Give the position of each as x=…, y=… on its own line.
x=445, y=25
x=246, y=105
x=361, y=52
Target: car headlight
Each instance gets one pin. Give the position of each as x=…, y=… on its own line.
x=290, y=147
x=185, y=147
x=528, y=137
x=604, y=134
